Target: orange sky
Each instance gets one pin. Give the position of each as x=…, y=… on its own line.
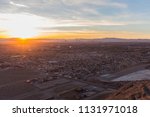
x=92, y=35
x=89, y=35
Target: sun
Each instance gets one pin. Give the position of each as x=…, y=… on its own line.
x=23, y=32
x=22, y=25
x=26, y=25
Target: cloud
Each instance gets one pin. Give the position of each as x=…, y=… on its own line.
x=90, y=23
x=18, y=5
x=2, y=31
x=109, y=3
x=61, y=8
x=78, y=14
x=78, y=25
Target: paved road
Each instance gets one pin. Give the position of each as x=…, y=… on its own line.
x=125, y=72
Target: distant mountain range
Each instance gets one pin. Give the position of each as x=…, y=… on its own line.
x=111, y=40
x=85, y=40
x=122, y=40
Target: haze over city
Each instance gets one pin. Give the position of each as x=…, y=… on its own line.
x=71, y=19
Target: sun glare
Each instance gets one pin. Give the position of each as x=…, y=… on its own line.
x=23, y=32
x=22, y=25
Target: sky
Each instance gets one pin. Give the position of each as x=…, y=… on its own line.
x=75, y=19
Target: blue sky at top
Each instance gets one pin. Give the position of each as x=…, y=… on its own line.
x=78, y=15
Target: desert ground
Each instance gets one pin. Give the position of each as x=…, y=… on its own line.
x=74, y=70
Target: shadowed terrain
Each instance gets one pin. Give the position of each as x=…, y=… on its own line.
x=41, y=69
